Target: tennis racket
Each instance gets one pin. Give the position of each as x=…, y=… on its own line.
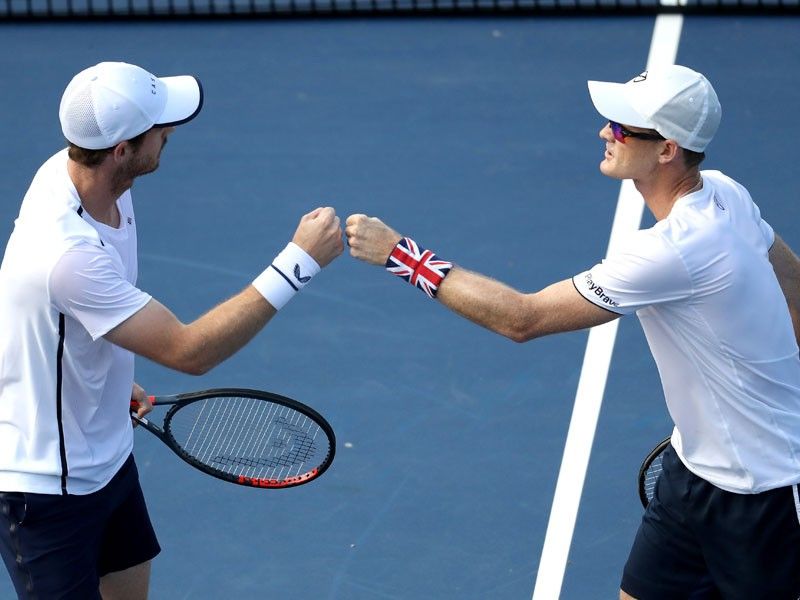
x=247, y=437
x=649, y=472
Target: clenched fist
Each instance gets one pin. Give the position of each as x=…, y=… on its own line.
x=370, y=239
x=320, y=235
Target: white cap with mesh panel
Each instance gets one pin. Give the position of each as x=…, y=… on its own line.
x=114, y=101
x=676, y=101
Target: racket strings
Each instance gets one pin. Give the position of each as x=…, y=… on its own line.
x=651, y=477
x=249, y=437
x=301, y=449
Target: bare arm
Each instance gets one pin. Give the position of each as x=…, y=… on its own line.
x=482, y=300
x=787, y=269
x=518, y=316
x=156, y=333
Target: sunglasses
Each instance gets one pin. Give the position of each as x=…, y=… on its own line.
x=620, y=133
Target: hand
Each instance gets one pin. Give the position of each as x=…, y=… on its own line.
x=320, y=235
x=370, y=239
x=140, y=402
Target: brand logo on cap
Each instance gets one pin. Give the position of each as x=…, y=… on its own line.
x=153, y=86
x=640, y=78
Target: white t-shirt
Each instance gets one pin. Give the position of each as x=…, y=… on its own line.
x=720, y=332
x=66, y=280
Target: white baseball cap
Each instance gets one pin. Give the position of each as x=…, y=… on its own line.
x=114, y=101
x=676, y=101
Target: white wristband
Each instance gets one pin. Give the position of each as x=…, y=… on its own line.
x=291, y=270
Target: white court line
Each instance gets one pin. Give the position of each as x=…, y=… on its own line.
x=596, y=362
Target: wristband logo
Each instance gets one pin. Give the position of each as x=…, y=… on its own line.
x=304, y=279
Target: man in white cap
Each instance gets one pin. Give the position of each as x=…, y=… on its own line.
x=73, y=522
x=718, y=295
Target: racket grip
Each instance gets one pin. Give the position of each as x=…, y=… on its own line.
x=135, y=404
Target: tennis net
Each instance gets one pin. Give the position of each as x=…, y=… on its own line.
x=15, y=10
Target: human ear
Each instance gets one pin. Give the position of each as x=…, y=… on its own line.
x=669, y=151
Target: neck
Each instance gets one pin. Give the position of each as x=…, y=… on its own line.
x=661, y=193
x=98, y=189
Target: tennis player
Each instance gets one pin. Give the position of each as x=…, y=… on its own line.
x=718, y=295
x=73, y=521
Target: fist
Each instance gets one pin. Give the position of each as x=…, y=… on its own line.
x=320, y=235
x=140, y=403
x=370, y=239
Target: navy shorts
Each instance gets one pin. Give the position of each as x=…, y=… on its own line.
x=698, y=541
x=58, y=546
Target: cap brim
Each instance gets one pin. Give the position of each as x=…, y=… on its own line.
x=184, y=100
x=611, y=101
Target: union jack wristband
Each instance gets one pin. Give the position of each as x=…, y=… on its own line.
x=418, y=266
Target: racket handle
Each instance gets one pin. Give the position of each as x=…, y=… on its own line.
x=135, y=404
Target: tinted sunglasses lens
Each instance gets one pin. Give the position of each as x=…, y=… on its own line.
x=616, y=129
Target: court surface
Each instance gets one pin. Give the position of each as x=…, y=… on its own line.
x=477, y=137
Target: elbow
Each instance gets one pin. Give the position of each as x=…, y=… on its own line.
x=187, y=361
x=520, y=332
x=195, y=369
x=186, y=366
x=523, y=323
x=528, y=323
x=192, y=355
x=521, y=336
x=195, y=363
x=518, y=337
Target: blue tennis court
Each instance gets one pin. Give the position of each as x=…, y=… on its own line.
x=478, y=137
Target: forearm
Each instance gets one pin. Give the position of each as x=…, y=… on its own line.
x=519, y=316
x=156, y=333
x=488, y=303
x=224, y=330
x=194, y=348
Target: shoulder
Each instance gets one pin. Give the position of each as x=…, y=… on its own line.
x=728, y=193
x=83, y=262
x=647, y=247
x=53, y=172
x=644, y=269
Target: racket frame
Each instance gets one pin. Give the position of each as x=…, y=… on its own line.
x=648, y=460
x=178, y=401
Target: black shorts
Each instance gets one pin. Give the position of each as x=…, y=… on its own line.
x=59, y=546
x=696, y=536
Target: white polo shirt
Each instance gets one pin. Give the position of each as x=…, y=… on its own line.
x=65, y=281
x=720, y=332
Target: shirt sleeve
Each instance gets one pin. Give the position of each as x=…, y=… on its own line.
x=89, y=286
x=646, y=270
x=766, y=229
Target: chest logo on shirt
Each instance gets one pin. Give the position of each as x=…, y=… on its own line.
x=719, y=204
x=598, y=291
x=130, y=220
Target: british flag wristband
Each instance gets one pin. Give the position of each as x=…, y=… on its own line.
x=289, y=272
x=418, y=266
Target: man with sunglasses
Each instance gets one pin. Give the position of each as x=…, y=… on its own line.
x=718, y=295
